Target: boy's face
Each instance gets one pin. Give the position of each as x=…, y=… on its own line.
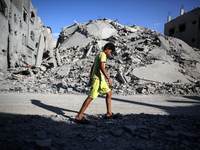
x=108, y=51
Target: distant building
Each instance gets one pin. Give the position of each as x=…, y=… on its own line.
x=185, y=27
x=22, y=35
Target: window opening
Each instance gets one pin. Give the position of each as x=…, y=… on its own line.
x=15, y=33
x=171, y=32
x=15, y=18
x=2, y=7
x=20, y=23
x=182, y=27
x=199, y=22
x=193, y=40
x=32, y=35
x=194, y=22
x=32, y=17
x=23, y=39
x=25, y=16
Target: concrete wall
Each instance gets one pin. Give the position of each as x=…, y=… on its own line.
x=186, y=27
x=20, y=31
x=4, y=17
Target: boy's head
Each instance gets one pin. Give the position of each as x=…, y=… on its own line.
x=109, y=48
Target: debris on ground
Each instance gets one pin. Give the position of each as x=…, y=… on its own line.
x=131, y=131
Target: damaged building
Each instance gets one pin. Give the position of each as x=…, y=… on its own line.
x=24, y=39
x=185, y=27
x=145, y=61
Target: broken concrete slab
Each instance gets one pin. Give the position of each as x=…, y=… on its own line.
x=40, y=51
x=69, y=29
x=164, y=43
x=121, y=77
x=76, y=39
x=159, y=54
x=101, y=30
x=160, y=71
x=188, y=52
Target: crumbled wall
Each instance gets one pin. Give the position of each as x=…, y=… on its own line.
x=20, y=31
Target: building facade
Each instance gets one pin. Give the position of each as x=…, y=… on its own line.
x=185, y=27
x=22, y=34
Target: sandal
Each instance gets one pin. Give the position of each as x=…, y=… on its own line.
x=113, y=116
x=82, y=121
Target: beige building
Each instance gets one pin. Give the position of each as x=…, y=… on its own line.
x=185, y=27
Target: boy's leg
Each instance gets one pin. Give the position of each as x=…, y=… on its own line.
x=83, y=108
x=92, y=95
x=108, y=104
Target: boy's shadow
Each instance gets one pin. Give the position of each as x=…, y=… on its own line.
x=54, y=109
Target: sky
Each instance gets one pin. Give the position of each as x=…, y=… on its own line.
x=150, y=14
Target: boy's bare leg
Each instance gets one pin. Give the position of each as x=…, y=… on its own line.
x=83, y=108
x=108, y=104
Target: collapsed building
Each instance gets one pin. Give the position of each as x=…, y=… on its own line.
x=24, y=39
x=145, y=62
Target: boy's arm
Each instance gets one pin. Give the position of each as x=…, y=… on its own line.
x=89, y=84
x=105, y=73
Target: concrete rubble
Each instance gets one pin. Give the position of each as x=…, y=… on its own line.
x=145, y=62
x=131, y=131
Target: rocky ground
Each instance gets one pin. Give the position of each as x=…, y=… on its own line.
x=141, y=132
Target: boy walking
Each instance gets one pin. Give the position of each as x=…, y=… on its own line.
x=98, y=84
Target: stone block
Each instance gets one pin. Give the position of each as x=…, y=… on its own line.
x=64, y=70
x=121, y=77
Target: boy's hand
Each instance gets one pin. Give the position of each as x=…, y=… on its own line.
x=110, y=83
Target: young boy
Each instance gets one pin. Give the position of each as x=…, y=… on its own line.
x=98, y=84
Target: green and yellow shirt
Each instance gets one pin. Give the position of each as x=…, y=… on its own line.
x=97, y=73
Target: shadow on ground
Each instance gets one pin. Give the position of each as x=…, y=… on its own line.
x=193, y=109
x=53, y=109
x=141, y=131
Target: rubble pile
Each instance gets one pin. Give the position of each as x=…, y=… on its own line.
x=132, y=131
x=145, y=62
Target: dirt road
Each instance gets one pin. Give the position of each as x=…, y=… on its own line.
x=69, y=104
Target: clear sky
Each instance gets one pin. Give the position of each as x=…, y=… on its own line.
x=151, y=14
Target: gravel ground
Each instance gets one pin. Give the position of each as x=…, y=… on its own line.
x=33, y=121
x=133, y=131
